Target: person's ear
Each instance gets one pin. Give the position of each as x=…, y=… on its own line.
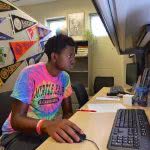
x=53, y=57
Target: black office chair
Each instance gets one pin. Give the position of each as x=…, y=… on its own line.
x=5, y=107
x=101, y=82
x=81, y=94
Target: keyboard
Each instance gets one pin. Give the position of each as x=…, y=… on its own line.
x=130, y=131
x=115, y=90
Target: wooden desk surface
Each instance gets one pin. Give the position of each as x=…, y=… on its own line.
x=97, y=127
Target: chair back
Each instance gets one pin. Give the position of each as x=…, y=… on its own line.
x=81, y=94
x=5, y=107
x=101, y=82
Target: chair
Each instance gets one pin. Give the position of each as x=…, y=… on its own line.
x=81, y=94
x=101, y=82
x=5, y=107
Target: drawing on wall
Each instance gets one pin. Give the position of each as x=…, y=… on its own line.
x=76, y=24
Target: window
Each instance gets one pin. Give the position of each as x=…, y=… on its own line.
x=56, y=24
x=97, y=26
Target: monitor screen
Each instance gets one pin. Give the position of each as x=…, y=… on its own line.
x=131, y=73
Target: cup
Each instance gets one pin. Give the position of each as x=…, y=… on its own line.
x=127, y=99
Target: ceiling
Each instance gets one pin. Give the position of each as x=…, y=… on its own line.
x=28, y=2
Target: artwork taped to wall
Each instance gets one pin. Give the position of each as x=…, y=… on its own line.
x=2, y=19
x=14, y=25
x=42, y=44
x=5, y=37
x=43, y=32
x=6, y=27
x=2, y=55
x=34, y=59
x=21, y=47
x=32, y=33
x=76, y=24
x=1, y=82
x=6, y=7
x=7, y=71
x=20, y=23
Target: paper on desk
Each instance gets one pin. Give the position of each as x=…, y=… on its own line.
x=108, y=98
x=105, y=107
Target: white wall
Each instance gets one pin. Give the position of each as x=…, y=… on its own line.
x=105, y=61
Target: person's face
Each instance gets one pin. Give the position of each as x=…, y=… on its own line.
x=66, y=59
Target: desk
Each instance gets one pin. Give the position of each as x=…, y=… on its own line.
x=97, y=127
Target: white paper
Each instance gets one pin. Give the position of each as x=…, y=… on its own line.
x=105, y=107
x=108, y=98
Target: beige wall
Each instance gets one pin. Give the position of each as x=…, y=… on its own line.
x=105, y=59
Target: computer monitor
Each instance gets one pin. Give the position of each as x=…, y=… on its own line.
x=131, y=73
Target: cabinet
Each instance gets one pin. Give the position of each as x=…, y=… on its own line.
x=82, y=68
x=79, y=74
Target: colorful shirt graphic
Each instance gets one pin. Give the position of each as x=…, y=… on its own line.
x=43, y=92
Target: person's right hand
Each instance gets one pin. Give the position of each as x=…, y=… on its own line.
x=61, y=130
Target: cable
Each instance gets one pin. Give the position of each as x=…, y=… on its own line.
x=93, y=143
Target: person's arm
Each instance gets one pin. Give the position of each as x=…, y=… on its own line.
x=67, y=108
x=19, y=119
x=57, y=129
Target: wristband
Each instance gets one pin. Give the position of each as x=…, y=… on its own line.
x=38, y=126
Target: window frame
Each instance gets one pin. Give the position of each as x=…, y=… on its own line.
x=90, y=16
x=55, y=19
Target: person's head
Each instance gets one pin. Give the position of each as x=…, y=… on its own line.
x=60, y=50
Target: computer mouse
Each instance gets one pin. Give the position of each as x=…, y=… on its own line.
x=81, y=136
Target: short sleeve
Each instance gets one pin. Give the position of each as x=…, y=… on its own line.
x=24, y=87
x=67, y=85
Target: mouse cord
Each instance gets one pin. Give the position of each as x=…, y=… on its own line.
x=93, y=143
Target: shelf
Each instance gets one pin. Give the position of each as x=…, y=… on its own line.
x=79, y=71
x=80, y=56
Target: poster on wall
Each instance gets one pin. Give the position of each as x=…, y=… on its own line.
x=32, y=33
x=76, y=24
x=2, y=19
x=2, y=55
x=5, y=37
x=7, y=71
x=19, y=48
x=34, y=59
x=43, y=32
x=20, y=23
x=6, y=7
x=42, y=44
x=1, y=82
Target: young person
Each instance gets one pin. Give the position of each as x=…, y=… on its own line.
x=41, y=89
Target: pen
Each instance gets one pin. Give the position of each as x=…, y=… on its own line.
x=86, y=110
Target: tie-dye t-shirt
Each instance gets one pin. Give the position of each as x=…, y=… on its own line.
x=43, y=92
